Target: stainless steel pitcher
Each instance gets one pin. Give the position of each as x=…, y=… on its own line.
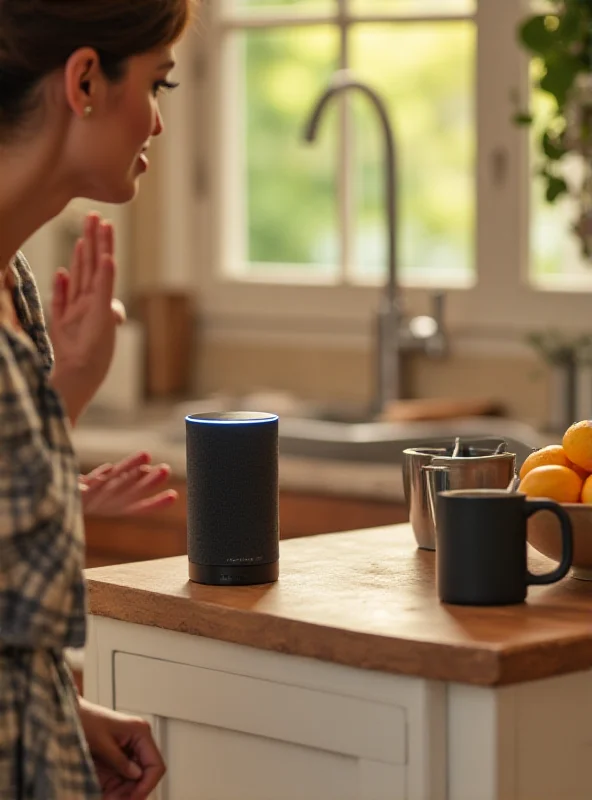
x=476, y=468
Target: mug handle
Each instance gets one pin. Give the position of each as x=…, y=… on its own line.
x=532, y=506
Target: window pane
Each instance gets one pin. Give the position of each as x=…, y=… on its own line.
x=291, y=190
x=413, y=8
x=293, y=5
x=425, y=73
x=555, y=256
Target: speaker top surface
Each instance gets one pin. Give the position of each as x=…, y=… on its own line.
x=231, y=417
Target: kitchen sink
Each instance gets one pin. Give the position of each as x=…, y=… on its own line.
x=384, y=442
x=346, y=435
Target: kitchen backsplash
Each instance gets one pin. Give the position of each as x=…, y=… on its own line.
x=342, y=376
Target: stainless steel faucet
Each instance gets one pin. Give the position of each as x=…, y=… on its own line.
x=394, y=334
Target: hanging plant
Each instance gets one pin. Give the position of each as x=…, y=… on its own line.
x=556, y=347
x=562, y=41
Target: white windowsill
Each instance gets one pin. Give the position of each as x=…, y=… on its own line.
x=350, y=335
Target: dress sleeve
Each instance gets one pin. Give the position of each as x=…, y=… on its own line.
x=29, y=310
x=25, y=464
x=38, y=562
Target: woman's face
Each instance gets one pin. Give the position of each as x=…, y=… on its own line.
x=107, y=150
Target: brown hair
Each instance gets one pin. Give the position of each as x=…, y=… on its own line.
x=38, y=36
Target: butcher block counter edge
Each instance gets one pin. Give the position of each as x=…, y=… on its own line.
x=365, y=599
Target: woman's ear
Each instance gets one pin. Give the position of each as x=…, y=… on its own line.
x=82, y=77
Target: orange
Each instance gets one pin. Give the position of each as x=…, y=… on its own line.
x=553, y=481
x=577, y=443
x=583, y=473
x=586, y=496
x=553, y=454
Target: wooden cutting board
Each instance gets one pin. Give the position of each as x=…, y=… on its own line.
x=440, y=408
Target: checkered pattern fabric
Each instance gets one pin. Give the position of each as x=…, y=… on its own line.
x=43, y=753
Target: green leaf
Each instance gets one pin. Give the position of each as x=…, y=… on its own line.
x=555, y=188
x=551, y=148
x=522, y=118
x=559, y=77
x=536, y=36
x=570, y=24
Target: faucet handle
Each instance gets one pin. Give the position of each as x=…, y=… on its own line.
x=437, y=345
x=438, y=300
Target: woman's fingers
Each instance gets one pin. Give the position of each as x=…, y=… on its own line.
x=152, y=479
x=154, y=503
x=59, y=299
x=90, y=259
x=76, y=271
x=131, y=462
x=140, y=482
x=133, y=486
x=105, y=248
x=94, y=254
x=135, y=491
x=98, y=474
x=105, y=283
x=106, y=239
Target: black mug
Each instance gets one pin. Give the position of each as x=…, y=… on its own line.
x=481, y=546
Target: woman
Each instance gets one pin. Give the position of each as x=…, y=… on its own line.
x=79, y=83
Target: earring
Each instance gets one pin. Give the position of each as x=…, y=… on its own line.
x=88, y=111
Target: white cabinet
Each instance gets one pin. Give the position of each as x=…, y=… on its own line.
x=279, y=740
x=237, y=723
x=532, y=741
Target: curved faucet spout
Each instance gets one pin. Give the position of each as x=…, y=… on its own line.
x=343, y=81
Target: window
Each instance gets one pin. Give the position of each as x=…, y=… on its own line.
x=296, y=230
x=315, y=212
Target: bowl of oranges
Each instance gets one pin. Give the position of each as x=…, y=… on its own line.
x=563, y=472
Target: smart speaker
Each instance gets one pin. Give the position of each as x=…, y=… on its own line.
x=232, y=498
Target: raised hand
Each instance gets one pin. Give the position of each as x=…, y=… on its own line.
x=129, y=487
x=85, y=316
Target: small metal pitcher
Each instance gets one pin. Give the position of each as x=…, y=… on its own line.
x=476, y=468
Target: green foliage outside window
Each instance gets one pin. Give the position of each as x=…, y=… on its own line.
x=425, y=72
x=561, y=43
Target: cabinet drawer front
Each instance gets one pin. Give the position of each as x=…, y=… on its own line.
x=332, y=722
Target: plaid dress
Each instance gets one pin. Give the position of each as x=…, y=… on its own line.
x=43, y=753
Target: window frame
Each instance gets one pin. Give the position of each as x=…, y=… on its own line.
x=492, y=315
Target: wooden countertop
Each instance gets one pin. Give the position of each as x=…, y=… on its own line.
x=365, y=599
